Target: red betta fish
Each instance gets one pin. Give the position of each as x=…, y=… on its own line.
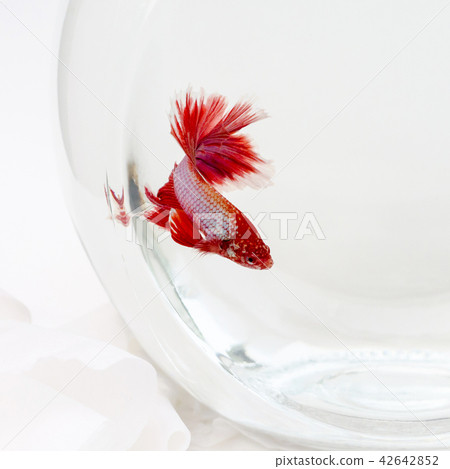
x=189, y=205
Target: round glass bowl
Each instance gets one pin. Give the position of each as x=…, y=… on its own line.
x=345, y=342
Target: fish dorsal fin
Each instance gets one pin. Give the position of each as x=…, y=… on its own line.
x=207, y=134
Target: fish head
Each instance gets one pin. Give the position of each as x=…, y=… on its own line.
x=252, y=253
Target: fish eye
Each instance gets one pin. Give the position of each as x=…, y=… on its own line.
x=250, y=260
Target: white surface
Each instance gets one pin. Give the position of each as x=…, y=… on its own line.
x=44, y=266
x=60, y=390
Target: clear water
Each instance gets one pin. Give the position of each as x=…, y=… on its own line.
x=348, y=335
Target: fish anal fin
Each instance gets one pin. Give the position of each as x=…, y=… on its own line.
x=159, y=216
x=167, y=196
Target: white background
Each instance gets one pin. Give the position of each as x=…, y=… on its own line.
x=42, y=261
x=43, y=264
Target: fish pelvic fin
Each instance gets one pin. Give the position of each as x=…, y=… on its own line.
x=208, y=134
x=182, y=229
x=184, y=232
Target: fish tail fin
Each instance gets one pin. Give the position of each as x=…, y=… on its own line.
x=207, y=133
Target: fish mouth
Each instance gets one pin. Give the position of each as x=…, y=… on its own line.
x=267, y=264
